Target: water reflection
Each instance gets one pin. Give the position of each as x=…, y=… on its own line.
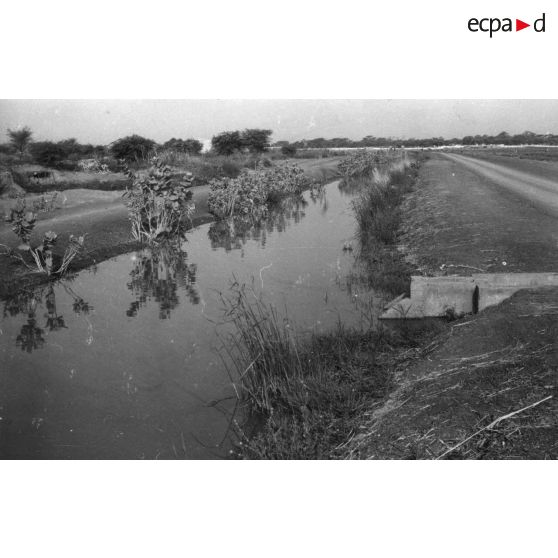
x=54, y=321
x=235, y=232
x=352, y=186
x=31, y=335
x=157, y=274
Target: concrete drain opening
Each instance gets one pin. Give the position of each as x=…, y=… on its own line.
x=437, y=297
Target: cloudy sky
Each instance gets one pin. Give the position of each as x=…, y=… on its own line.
x=103, y=121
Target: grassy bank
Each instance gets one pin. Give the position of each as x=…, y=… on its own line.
x=309, y=393
x=378, y=215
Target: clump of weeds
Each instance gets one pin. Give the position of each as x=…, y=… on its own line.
x=307, y=393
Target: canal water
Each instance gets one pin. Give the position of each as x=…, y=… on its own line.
x=126, y=360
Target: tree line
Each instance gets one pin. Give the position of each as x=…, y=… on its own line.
x=253, y=140
x=502, y=138
x=132, y=148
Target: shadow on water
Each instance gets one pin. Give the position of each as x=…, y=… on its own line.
x=158, y=272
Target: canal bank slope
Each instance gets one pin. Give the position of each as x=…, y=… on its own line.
x=486, y=386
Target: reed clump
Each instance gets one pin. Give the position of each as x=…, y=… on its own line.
x=307, y=392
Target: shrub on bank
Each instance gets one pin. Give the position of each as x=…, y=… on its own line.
x=362, y=163
x=159, y=205
x=252, y=192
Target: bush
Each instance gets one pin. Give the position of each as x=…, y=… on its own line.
x=361, y=163
x=252, y=191
x=47, y=153
x=288, y=150
x=132, y=148
x=256, y=140
x=158, y=204
x=226, y=143
x=7, y=149
x=189, y=146
x=230, y=169
x=68, y=165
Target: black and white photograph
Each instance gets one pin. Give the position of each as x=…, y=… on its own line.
x=278, y=279
x=269, y=280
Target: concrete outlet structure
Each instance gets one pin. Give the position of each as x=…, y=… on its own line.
x=455, y=295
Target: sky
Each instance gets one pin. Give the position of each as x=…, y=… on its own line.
x=103, y=121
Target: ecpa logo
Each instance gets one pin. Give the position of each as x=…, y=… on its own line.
x=494, y=24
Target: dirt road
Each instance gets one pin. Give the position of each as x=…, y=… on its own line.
x=470, y=215
x=531, y=183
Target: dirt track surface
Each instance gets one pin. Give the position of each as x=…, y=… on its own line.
x=469, y=215
x=530, y=181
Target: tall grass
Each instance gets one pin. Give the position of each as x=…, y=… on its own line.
x=307, y=391
x=377, y=207
x=378, y=215
x=311, y=391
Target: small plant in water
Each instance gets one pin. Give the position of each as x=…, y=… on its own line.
x=159, y=205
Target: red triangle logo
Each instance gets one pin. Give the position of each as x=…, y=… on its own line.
x=519, y=25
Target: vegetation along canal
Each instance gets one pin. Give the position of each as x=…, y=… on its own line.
x=126, y=360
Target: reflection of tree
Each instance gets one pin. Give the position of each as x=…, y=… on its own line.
x=158, y=273
x=26, y=301
x=233, y=233
x=23, y=302
x=79, y=306
x=54, y=321
x=30, y=336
